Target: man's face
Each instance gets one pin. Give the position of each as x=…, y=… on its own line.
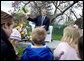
x=43, y=12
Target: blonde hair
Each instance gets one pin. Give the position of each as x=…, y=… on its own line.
x=38, y=35
x=6, y=18
x=70, y=35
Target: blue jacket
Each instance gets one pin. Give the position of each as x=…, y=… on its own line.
x=32, y=53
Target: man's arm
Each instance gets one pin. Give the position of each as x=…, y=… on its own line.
x=31, y=19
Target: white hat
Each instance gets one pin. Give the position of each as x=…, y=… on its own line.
x=15, y=34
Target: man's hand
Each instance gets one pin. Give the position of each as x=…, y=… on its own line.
x=26, y=15
x=43, y=26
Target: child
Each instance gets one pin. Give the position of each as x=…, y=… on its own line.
x=15, y=37
x=66, y=50
x=37, y=51
x=80, y=47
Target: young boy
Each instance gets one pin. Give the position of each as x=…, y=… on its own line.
x=37, y=51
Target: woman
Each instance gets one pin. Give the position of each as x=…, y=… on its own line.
x=7, y=50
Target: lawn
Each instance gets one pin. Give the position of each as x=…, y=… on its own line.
x=20, y=51
x=56, y=37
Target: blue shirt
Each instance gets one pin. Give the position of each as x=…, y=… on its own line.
x=40, y=53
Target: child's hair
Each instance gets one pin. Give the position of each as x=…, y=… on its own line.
x=80, y=47
x=6, y=18
x=38, y=35
x=70, y=35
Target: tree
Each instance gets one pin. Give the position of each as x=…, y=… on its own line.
x=61, y=8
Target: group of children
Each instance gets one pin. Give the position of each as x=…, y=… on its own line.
x=70, y=48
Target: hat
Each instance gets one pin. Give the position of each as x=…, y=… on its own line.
x=15, y=34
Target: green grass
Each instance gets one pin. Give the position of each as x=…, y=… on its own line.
x=20, y=51
x=56, y=37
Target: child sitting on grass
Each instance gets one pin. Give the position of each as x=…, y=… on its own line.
x=37, y=51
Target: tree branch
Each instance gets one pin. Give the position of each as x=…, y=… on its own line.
x=74, y=14
x=37, y=7
x=63, y=11
x=56, y=7
x=25, y=3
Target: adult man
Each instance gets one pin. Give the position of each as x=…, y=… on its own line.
x=41, y=20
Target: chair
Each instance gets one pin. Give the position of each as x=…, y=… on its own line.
x=49, y=34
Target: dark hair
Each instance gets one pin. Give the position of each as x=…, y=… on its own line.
x=79, y=22
x=80, y=47
x=6, y=18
